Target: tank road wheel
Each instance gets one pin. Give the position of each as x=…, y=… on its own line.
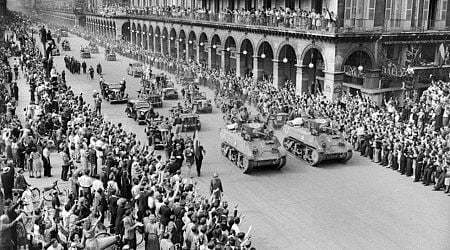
x=282, y=163
x=247, y=165
x=224, y=149
x=348, y=156
x=312, y=157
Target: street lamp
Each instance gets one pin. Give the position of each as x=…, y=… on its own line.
x=201, y=44
x=171, y=38
x=214, y=46
x=180, y=40
x=311, y=65
x=285, y=60
x=263, y=55
x=244, y=52
x=228, y=49
x=360, y=68
x=190, y=41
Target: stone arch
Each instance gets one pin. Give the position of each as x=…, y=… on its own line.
x=314, y=66
x=144, y=36
x=139, y=35
x=182, y=44
x=265, y=56
x=173, y=43
x=246, y=52
x=367, y=57
x=216, y=60
x=165, y=41
x=158, y=38
x=151, y=34
x=203, y=44
x=287, y=60
x=191, y=48
x=318, y=48
x=229, y=49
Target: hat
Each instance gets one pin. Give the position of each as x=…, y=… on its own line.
x=6, y=170
x=215, y=175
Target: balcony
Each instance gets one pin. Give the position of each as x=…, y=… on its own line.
x=292, y=24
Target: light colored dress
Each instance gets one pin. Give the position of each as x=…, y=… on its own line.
x=84, y=159
x=37, y=161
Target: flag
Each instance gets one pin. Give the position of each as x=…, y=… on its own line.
x=442, y=53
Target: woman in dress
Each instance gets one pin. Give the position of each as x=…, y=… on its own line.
x=37, y=162
x=84, y=157
x=151, y=233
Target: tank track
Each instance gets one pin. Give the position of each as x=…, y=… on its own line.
x=237, y=158
x=306, y=153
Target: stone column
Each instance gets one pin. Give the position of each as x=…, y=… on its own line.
x=275, y=73
x=255, y=68
x=332, y=87
x=132, y=36
x=169, y=46
x=238, y=63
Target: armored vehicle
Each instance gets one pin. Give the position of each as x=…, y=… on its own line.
x=314, y=141
x=250, y=146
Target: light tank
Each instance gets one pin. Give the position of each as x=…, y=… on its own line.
x=314, y=141
x=249, y=146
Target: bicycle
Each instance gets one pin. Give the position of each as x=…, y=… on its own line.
x=62, y=195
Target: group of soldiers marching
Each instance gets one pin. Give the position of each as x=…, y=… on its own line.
x=73, y=65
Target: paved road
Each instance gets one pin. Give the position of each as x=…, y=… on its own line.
x=357, y=205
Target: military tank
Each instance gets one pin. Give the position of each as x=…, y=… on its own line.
x=314, y=141
x=249, y=146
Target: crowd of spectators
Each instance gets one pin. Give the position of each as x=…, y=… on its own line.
x=120, y=190
x=319, y=20
x=412, y=139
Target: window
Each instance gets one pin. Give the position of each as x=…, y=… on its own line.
x=371, y=9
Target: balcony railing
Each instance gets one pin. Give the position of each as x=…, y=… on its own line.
x=291, y=23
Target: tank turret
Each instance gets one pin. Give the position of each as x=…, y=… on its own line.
x=251, y=145
x=314, y=141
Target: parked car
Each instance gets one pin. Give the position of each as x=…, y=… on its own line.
x=135, y=69
x=137, y=109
